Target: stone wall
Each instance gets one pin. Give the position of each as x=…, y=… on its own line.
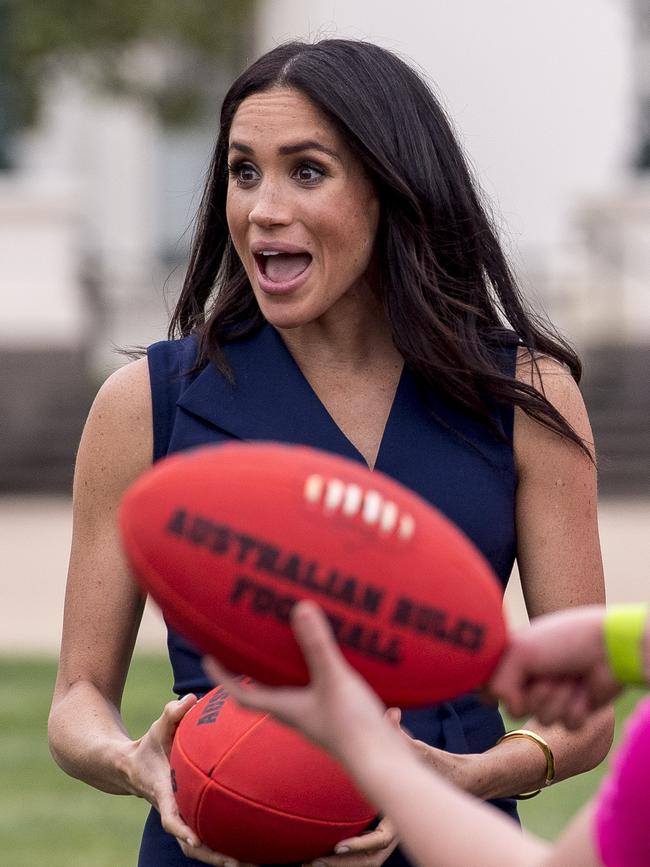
x=45, y=396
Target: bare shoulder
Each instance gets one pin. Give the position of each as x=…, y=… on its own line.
x=558, y=551
x=103, y=606
x=555, y=382
x=117, y=442
x=552, y=378
x=126, y=393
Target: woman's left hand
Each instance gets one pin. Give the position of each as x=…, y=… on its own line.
x=461, y=770
x=368, y=850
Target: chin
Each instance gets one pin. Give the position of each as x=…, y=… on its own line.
x=284, y=319
x=285, y=315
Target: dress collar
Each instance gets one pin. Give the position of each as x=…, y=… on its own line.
x=269, y=399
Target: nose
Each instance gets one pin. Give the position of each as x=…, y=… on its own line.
x=270, y=207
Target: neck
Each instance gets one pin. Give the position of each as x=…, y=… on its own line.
x=350, y=339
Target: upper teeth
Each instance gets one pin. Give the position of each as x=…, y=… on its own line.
x=270, y=252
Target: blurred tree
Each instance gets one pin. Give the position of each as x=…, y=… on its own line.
x=6, y=112
x=168, y=53
x=641, y=35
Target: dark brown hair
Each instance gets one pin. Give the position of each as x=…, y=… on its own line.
x=446, y=287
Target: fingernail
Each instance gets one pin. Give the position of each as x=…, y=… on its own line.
x=190, y=842
x=341, y=850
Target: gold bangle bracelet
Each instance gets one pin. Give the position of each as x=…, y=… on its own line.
x=548, y=755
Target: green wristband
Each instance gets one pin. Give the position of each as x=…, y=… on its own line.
x=624, y=629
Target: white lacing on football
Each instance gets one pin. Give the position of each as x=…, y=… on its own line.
x=350, y=499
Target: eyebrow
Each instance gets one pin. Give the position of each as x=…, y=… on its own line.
x=287, y=150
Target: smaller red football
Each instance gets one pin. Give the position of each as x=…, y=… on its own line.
x=258, y=791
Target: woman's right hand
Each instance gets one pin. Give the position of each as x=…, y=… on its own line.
x=146, y=766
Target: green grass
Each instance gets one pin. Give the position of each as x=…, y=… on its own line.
x=46, y=818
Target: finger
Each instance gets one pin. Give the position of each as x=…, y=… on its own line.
x=372, y=841
x=508, y=682
x=370, y=859
x=357, y=859
x=273, y=700
x=172, y=821
x=539, y=693
x=394, y=716
x=213, y=669
x=512, y=693
x=207, y=856
x=602, y=686
x=558, y=700
x=578, y=709
x=218, y=674
x=517, y=705
x=164, y=728
x=174, y=711
x=245, y=693
x=316, y=640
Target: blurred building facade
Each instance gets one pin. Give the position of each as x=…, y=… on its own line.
x=599, y=289
x=94, y=219
x=96, y=205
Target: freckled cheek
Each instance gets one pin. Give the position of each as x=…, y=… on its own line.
x=234, y=215
x=356, y=239
x=237, y=220
x=346, y=259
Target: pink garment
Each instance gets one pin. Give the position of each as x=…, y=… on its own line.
x=622, y=818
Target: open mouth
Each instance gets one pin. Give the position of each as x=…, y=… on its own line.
x=282, y=267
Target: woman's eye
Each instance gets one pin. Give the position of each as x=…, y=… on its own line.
x=243, y=173
x=308, y=174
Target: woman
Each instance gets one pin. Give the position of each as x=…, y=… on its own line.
x=565, y=667
x=361, y=302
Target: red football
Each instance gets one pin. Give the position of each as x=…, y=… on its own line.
x=227, y=538
x=258, y=791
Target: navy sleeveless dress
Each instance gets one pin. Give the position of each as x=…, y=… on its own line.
x=447, y=457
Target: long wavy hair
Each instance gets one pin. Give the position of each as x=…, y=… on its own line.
x=447, y=290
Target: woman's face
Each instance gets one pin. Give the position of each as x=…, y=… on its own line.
x=301, y=212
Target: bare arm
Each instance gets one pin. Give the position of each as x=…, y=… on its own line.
x=559, y=555
x=103, y=609
x=560, y=566
x=102, y=606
